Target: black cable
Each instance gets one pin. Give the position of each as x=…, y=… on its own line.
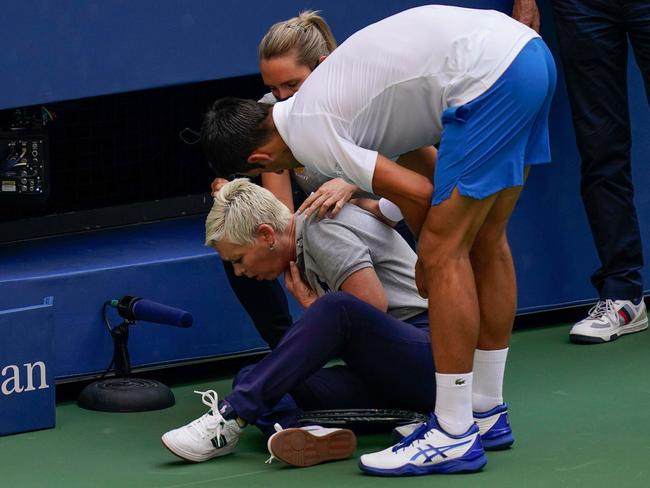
x=110, y=331
x=108, y=324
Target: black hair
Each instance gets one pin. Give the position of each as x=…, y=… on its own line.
x=232, y=128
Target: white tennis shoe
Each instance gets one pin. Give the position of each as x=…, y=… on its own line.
x=429, y=449
x=207, y=437
x=493, y=427
x=608, y=320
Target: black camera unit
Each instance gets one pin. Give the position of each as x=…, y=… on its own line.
x=24, y=158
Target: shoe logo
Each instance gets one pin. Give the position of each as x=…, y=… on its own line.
x=430, y=453
x=460, y=381
x=219, y=442
x=625, y=316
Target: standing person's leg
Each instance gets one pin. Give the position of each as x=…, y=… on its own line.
x=495, y=277
x=445, y=244
x=265, y=302
x=593, y=45
x=637, y=21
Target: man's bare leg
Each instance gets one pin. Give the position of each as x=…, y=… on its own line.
x=496, y=286
x=444, y=249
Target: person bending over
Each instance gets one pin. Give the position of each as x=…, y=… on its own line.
x=480, y=84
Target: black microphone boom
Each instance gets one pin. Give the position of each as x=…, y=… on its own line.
x=136, y=308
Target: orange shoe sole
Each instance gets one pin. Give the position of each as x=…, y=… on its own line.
x=299, y=448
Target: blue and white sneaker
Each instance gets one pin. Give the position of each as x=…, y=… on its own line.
x=494, y=428
x=429, y=449
x=496, y=433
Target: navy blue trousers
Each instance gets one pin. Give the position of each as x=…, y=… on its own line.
x=264, y=301
x=388, y=364
x=593, y=36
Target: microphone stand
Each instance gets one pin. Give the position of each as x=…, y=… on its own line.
x=124, y=393
x=121, y=359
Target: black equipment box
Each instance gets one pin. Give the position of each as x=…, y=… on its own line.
x=24, y=164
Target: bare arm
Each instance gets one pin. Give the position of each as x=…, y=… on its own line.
x=280, y=186
x=409, y=190
x=422, y=160
x=365, y=285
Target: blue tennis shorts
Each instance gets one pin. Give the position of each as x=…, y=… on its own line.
x=487, y=142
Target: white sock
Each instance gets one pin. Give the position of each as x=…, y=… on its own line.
x=489, y=367
x=454, y=402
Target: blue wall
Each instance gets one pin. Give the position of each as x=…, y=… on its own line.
x=59, y=50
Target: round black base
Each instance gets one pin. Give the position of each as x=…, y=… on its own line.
x=126, y=395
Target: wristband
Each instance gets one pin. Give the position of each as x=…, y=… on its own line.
x=389, y=210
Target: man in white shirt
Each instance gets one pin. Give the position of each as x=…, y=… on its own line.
x=479, y=84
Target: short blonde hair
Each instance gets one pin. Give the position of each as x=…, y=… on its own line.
x=239, y=208
x=308, y=34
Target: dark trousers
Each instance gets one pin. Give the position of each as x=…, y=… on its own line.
x=265, y=303
x=388, y=364
x=593, y=36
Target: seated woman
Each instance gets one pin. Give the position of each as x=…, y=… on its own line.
x=354, y=276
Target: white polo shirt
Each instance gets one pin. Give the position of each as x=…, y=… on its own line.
x=385, y=88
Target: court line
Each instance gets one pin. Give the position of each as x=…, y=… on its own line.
x=216, y=479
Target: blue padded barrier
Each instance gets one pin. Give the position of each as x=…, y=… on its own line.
x=164, y=261
x=27, y=396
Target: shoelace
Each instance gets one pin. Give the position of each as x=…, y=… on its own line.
x=212, y=419
x=278, y=428
x=602, y=308
x=417, y=434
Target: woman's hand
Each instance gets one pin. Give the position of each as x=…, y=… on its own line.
x=297, y=287
x=329, y=198
x=526, y=12
x=217, y=184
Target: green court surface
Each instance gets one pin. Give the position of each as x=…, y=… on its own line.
x=580, y=416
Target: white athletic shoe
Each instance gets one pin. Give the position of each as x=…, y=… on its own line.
x=493, y=427
x=429, y=449
x=313, y=444
x=207, y=437
x=609, y=319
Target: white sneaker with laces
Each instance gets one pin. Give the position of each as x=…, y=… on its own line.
x=493, y=427
x=207, y=437
x=608, y=320
x=428, y=449
x=310, y=445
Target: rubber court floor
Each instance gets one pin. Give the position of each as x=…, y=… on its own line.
x=581, y=416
